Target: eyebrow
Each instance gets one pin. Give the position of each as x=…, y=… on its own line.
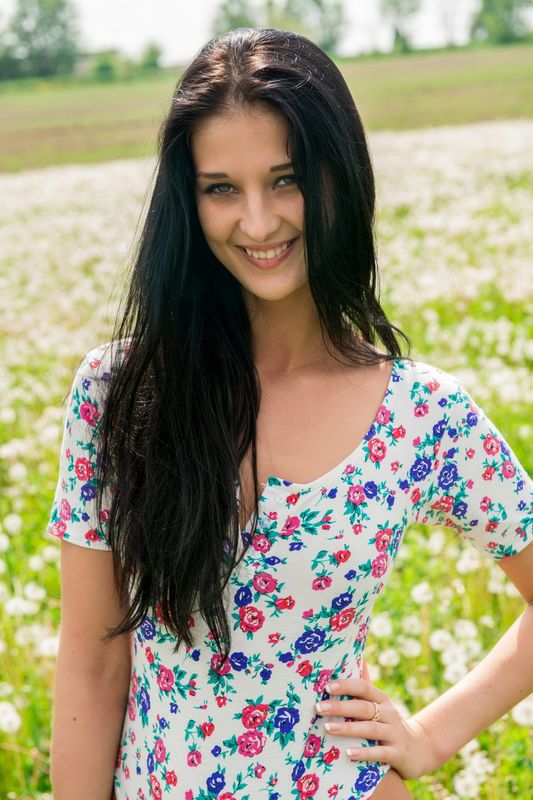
x=216, y=175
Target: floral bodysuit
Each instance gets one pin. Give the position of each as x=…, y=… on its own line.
x=300, y=602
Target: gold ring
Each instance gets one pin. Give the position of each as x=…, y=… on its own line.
x=377, y=712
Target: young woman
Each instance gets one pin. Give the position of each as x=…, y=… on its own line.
x=243, y=462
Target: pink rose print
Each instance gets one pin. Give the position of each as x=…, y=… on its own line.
x=377, y=449
x=383, y=416
x=291, y=524
x=304, y=668
x=292, y=499
x=165, y=678
x=252, y=618
x=508, y=469
x=341, y=556
x=91, y=535
x=264, y=583
x=254, y=716
x=421, y=410
x=261, y=543
x=83, y=469
x=485, y=503
x=331, y=755
x=207, y=729
x=89, y=413
x=283, y=603
x=383, y=538
x=171, y=778
x=307, y=786
x=379, y=565
x=323, y=677
x=65, y=510
x=342, y=618
x=488, y=473
x=312, y=746
x=194, y=757
x=399, y=432
x=362, y=633
x=155, y=788
x=491, y=445
x=356, y=495
x=219, y=667
x=322, y=582
x=251, y=743
x=160, y=751
x=57, y=528
x=259, y=770
x=132, y=709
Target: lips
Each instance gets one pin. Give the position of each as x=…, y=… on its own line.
x=269, y=263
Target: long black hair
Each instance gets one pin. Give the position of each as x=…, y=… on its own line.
x=182, y=401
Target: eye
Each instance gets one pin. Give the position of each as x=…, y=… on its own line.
x=215, y=187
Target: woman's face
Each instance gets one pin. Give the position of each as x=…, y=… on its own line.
x=248, y=204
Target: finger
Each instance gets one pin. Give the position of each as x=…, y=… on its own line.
x=362, y=730
x=357, y=709
x=375, y=753
x=358, y=687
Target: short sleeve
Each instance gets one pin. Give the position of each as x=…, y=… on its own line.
x=73, y=513
x=475, y=483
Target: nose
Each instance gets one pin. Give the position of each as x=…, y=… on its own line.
x=259, y=220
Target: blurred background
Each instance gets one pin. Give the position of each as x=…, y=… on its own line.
x=445, y=91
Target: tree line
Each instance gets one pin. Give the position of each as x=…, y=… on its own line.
x=42, y=38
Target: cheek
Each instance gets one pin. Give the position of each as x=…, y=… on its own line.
x=213, y=222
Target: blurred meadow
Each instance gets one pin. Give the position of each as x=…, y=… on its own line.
x=451, y=145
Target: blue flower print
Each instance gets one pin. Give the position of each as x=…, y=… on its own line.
x=216, y=782
x=298, y=770
x=459, y=509
x=448, y=476
x=238, y=661
x=367, y=778
x=144, y=700
x=332, y=494
x=88, y=492
x=148, y=628
x=310, y=641
x=150, y=763
x=439, y=428
x=420, y=469
x=370, y=489
x=471, y=419
x=243, y=596
x=341, y=601
x=286, y=718
x=285, y=657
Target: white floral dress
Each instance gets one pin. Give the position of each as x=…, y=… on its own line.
x=300, y=602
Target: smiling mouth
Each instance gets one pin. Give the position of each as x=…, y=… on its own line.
x=267, y=255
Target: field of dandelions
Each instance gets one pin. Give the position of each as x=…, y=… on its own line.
x=455, y=249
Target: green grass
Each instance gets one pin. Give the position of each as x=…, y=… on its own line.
x=56, y=122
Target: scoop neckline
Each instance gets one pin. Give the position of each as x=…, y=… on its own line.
x=276, y=482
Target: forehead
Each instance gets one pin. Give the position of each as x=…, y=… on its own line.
x=236, y=139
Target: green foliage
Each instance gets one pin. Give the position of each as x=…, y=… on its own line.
x=322, y=21
x=500, y=21
x=399, y=12
x=41, y=40
x=233, y=14
x=151, y=57
x=105, y=67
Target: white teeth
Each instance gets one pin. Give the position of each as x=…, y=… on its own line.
x=266, y=254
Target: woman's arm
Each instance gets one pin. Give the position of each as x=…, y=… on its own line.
x=492, y=687
x=425, y=741
x=92, y=678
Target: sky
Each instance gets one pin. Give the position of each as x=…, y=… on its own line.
x=181, y=27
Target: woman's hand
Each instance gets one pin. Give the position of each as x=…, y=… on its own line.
x=402, y=743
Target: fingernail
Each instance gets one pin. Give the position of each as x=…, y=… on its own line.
x=332, y=686
x=320, y=707
x=331, y=726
